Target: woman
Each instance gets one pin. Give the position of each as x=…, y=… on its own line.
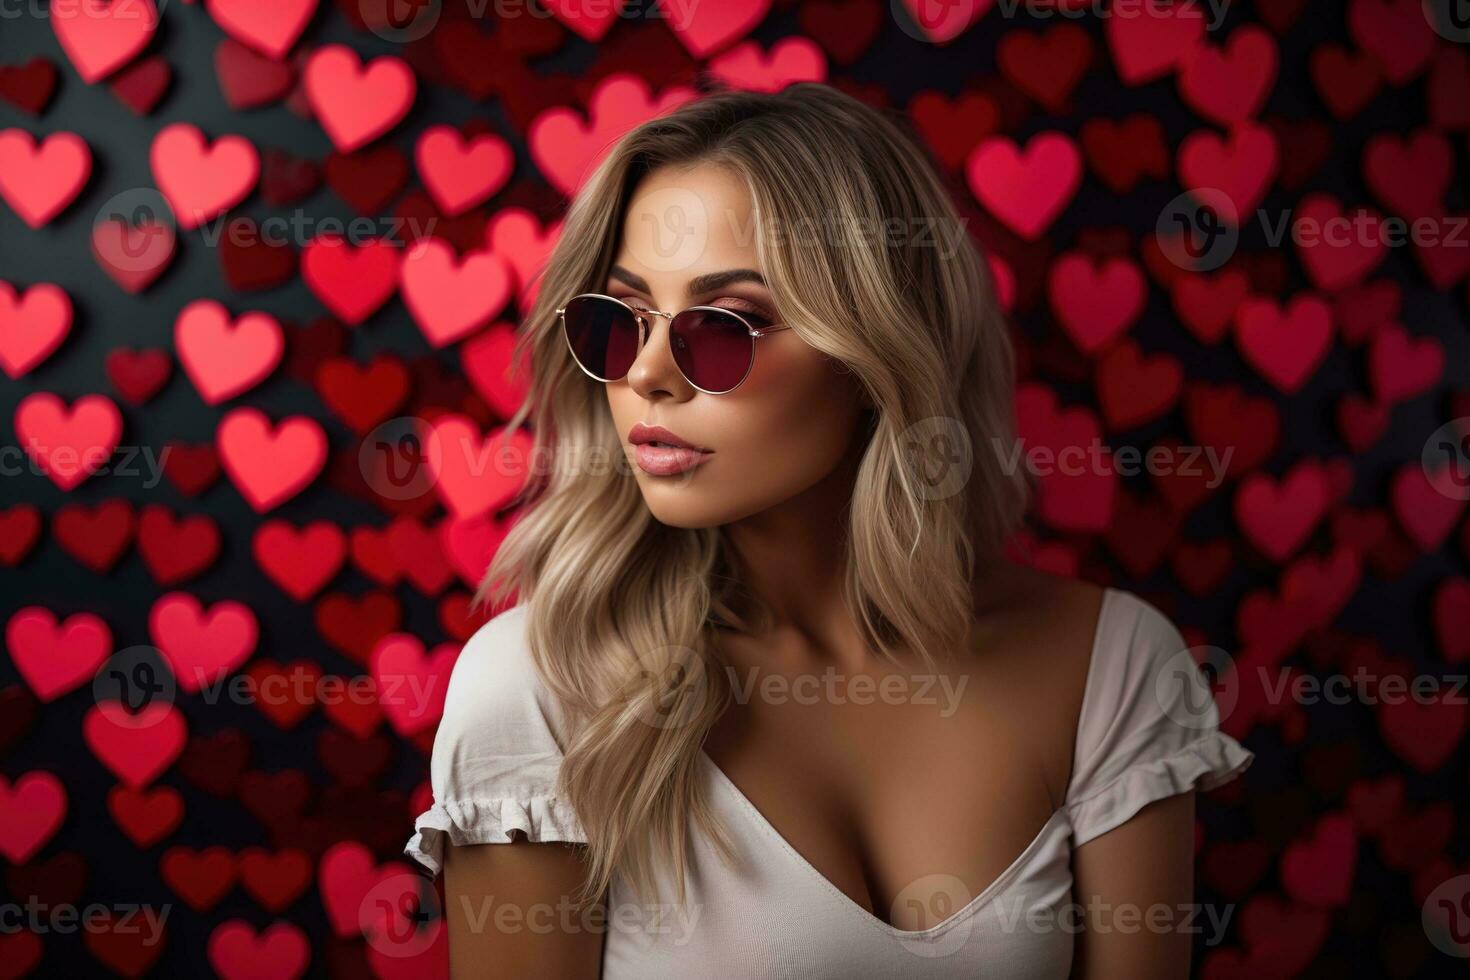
x=770, y=702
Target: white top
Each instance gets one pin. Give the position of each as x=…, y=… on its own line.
x=1148, y=729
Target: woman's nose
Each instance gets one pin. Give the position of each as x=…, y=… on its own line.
x=654, y=369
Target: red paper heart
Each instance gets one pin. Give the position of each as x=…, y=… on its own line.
x=1026, y=189
x=351, y=281
x=31, y=811
x=29, y=86
x=55, y=658
x=249, y=80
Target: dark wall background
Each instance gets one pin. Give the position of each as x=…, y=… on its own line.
x=1325, y=851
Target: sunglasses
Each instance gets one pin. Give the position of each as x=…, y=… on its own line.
x=713, y=348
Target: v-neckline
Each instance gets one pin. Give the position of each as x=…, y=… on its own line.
x=765, y=825
x=761, y=822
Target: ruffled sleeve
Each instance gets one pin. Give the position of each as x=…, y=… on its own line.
x=497, y=751
x=1149, y=727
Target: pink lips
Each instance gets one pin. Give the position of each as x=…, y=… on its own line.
x=660, y=452
x=667, y=460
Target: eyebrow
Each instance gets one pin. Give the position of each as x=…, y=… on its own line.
x=706, y=283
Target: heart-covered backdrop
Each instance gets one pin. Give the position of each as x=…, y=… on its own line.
x=238, y=239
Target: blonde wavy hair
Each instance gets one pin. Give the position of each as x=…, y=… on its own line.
x=623, y=611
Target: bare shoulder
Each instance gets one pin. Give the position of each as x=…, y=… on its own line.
x=1041, y=620
x=1035, y=639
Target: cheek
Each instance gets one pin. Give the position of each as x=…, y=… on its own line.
x=786, y=428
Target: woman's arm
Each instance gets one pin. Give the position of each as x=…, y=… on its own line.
x=1135, y=886
x=509, y=911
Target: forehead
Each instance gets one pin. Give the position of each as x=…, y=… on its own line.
x=683, y=221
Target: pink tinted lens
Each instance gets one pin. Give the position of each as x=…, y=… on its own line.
x=603, y=335
x=712, y=348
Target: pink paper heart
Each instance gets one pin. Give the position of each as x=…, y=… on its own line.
x=100, y=36
x=32, y=325
x=411, y=683
x=270, y=28
x=39, y=181
x=202, y=646
x=449, y=298
x=566, y=146
x=202, y=181
x=460, y=173
x=356, y=104
x=222, y=357
x=270, y=465
x=68, y=443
